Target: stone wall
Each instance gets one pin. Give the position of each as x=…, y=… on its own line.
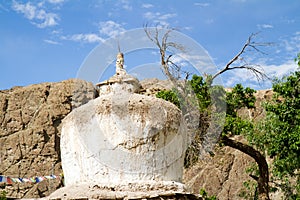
x=30, y=120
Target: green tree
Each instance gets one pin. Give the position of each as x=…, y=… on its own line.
x=169, y=95
x=210, y=97
x=3, y=194
x=279, y=134
x=205, y=196
x=236, y=99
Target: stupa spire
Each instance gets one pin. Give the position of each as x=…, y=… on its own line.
x=120, y=62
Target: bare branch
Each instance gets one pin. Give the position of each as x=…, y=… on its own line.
x=254, y=69
x=172, y=70
x=161, y=41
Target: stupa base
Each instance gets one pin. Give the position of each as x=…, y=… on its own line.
x=136, y=190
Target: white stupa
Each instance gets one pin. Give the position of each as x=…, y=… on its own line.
x=124, y=140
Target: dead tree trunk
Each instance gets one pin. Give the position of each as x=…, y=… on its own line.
x=263, y=179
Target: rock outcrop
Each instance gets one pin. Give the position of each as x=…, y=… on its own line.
x=30, y=128
x=222, y=175
x=30, y=119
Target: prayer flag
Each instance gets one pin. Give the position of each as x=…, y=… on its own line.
x=53, y=176
x=37, y=179
x=9, y=181
x=26, y=180
x=3, y=179
x=14, y=180
x=32, y=180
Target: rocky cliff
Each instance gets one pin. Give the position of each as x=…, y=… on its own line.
x=30, y=120
x=224, y=174
x=30, y=127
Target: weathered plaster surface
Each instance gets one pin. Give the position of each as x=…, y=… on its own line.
x=123, y=138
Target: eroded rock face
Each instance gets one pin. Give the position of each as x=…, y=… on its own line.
x=150, y=87
x=222, y=175
x=30, y=127
x=124, y=138
x=30, y=119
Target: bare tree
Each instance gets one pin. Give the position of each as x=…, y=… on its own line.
x=255, y=69
x=161, y=40
x=237, y=62
x=173, y=71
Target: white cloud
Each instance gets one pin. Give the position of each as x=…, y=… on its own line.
x=125, y=4
x=167, y=16
x=51, y=42
x=56, y=1
x=110, y=28
x=56, y=32
x=49, y=19
x=188, y=28
x=147, y=5
x=280, y=70
x=178, y=60
x=27, y=9
x=150, y=15
x=158, y=18
x=158, y=15
x=36, y=15
x=280, y=63
x=87, y=38
x=106, y=29
x=202, y=4
x=291, y=44
x=289, y=21
x=265, y=26
x=247, y=79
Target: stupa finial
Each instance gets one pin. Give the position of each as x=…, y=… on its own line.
x=119, y=49
x=120, y=62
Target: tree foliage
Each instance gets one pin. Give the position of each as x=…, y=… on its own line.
x=281, y=115
x=283, y=140
x=279, y=133
x=169, y=95
x=201, y=90
x=205, y=196
x=238, y=98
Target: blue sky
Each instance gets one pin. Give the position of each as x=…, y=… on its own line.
x=48, y=40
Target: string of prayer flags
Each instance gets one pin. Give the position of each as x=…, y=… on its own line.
x=37, y=179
